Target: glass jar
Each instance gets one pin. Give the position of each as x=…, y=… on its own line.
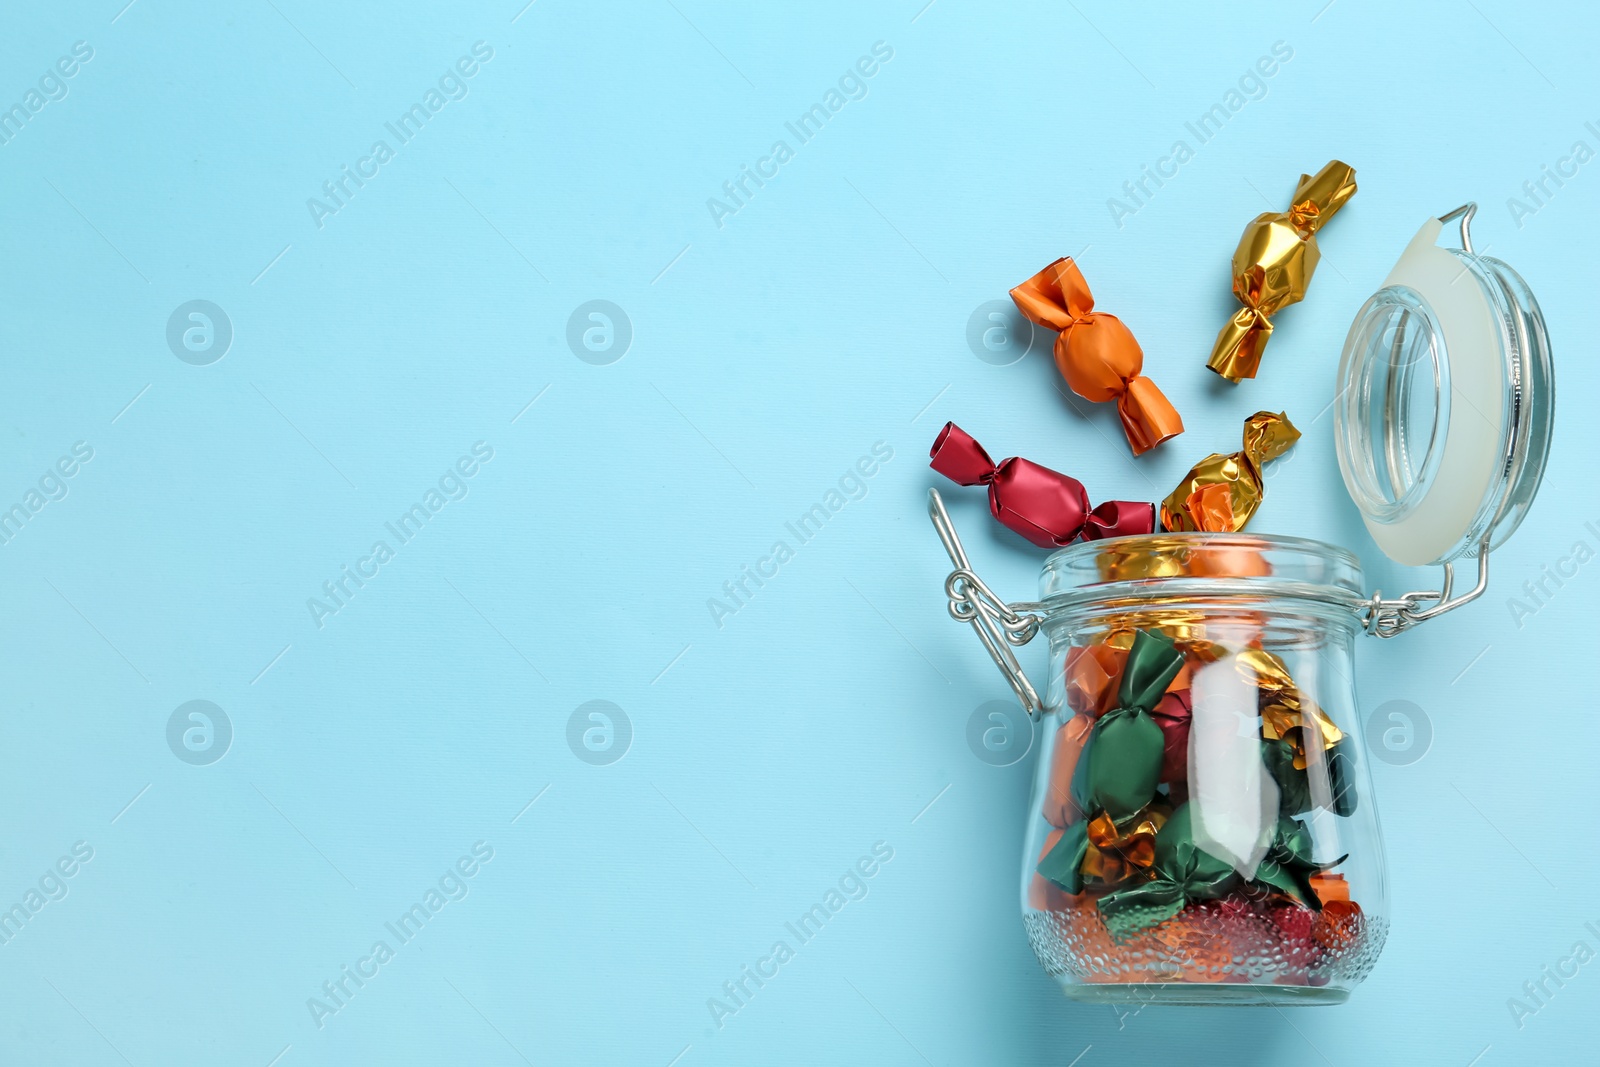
x=1250, y=754
x=1202, y=827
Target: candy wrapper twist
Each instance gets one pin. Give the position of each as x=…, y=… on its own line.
x=1097, y=354
x=1222, y=491
x=1273, y=265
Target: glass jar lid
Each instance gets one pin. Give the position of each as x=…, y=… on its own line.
x=1444, y=410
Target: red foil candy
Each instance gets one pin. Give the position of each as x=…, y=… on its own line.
x=1174, y=714
x=1045, y=506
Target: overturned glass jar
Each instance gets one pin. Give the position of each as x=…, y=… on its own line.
x=1202, y=828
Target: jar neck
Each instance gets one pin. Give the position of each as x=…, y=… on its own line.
x=1214, y=574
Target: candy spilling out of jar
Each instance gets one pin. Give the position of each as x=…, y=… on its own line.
x=1221, y=493
x=1172, y=823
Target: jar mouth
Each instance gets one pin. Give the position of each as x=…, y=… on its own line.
x=1199, y=566
x=1395, y=410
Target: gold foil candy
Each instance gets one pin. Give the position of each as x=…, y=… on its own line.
x=1273, y=265
x=1120, y=853
x=1223, y=491
x=1287, y=714
x=1265, y=670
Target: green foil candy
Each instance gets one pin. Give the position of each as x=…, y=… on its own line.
x=1341, y=778
x=1294, y=791
x=1124, y=753
x=1183, y=872
x=1288, y=865
x=1294, y=787
x=1064, y=864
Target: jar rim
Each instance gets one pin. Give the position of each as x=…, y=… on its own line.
x=1200, y=566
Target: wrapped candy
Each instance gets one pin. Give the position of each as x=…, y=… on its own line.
x=1268, y=673
x=1168, y=557
x=1102, y=851
x=1118, y=853
x=1127, y=747
x=1146, y=558
x=1292, y=943
x=1182, y=873
x=1338, y=926
x=1301, y=726
x=1273, y=266
x=1046, y=507
x=1174, y=713
x=1330, y=887
x=1210, y=934
x=1185, y=675
x=1294, y=790
x=1092, y=671
x=1341, y=778
x=1292, y=728
x=1287, y=764
x=1288, y=866
x=1044, y=895
x=1265, y=670
x=1091, y=675
x=1097, y=354
x=1289, y=715
x=1222, y=491
x=1059, y=807
x=1062, y=863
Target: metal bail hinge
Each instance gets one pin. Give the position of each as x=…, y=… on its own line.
x=1385, y=618
x=997, y=624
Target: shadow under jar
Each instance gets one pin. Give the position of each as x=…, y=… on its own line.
x=1202, y=828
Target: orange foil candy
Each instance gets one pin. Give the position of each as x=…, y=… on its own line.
x=1060, y=810
x=1330, y=887
x=1097, y=354
x=1338, y=925
x=1092, y=673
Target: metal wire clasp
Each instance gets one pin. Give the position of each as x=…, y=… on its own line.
x=1385, y=618
x=997, y=624
x=1464, y=213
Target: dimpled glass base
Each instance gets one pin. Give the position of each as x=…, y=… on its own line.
x=1208, y=954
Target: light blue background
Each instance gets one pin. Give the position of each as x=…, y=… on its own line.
x=768, y=355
